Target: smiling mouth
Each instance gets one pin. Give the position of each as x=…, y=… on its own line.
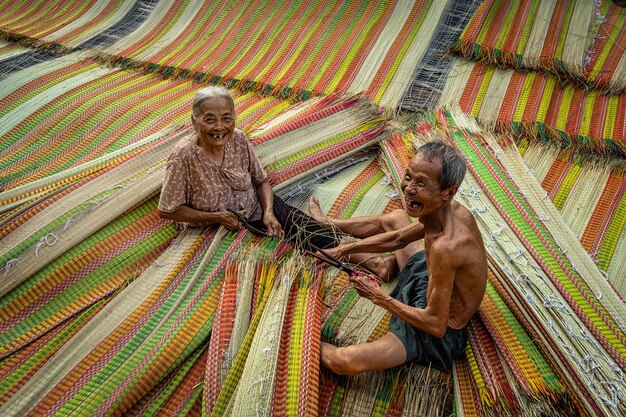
x=219, y=137
x=414, y=204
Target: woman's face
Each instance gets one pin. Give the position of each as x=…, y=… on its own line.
x=215, y=121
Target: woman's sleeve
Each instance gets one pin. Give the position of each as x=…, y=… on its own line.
x=257, y=173
x=173, y=192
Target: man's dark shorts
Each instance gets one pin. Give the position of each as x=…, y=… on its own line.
x=421, y=347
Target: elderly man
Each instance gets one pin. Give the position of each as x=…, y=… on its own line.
x=442, y=263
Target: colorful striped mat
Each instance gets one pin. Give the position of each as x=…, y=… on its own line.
x=589, y=193
x=255, y=45
x=547, y=35
x=151, y=327
x=584, y=41
x=66, y=112
x=537, y=106
x=365, y=46
x=62, y=25
x=108, y=310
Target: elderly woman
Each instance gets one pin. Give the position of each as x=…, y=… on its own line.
x=215, y=170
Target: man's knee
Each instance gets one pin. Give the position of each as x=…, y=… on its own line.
x=342, y=362
x=395, y=220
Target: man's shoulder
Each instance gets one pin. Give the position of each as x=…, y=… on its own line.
x=460, y=243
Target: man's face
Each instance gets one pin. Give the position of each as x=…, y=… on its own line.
x=215, y=121
x=420, y=186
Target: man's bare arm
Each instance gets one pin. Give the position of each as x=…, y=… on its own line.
x=435, y=317
x=383, y=242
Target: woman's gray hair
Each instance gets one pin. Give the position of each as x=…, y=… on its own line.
x=211, y=92
x=453, y=165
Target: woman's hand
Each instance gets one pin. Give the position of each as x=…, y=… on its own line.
x=272, y=225
x=336, y=252
x=230, y=221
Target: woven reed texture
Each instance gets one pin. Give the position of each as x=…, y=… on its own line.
x=538, y=107
x=590, y=196
x=61, y=25
x=556, y=36
x=371, y=47
x=63, y=113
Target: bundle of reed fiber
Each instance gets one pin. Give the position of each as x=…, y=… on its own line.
x=534, y=35
x=247, y=280
x=589, y=193
x=538, y=107
x=64, y=25
x=406, y=390
x=268, y=383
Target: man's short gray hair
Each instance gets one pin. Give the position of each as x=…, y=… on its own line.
x=453, y=165
x=211, y=92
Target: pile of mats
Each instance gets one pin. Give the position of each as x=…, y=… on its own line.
x=106, y=309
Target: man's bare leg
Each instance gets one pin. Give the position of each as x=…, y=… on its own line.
x=384, y=267
x=384, y=353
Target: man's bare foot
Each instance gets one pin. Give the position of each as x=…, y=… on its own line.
x=316, y=212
